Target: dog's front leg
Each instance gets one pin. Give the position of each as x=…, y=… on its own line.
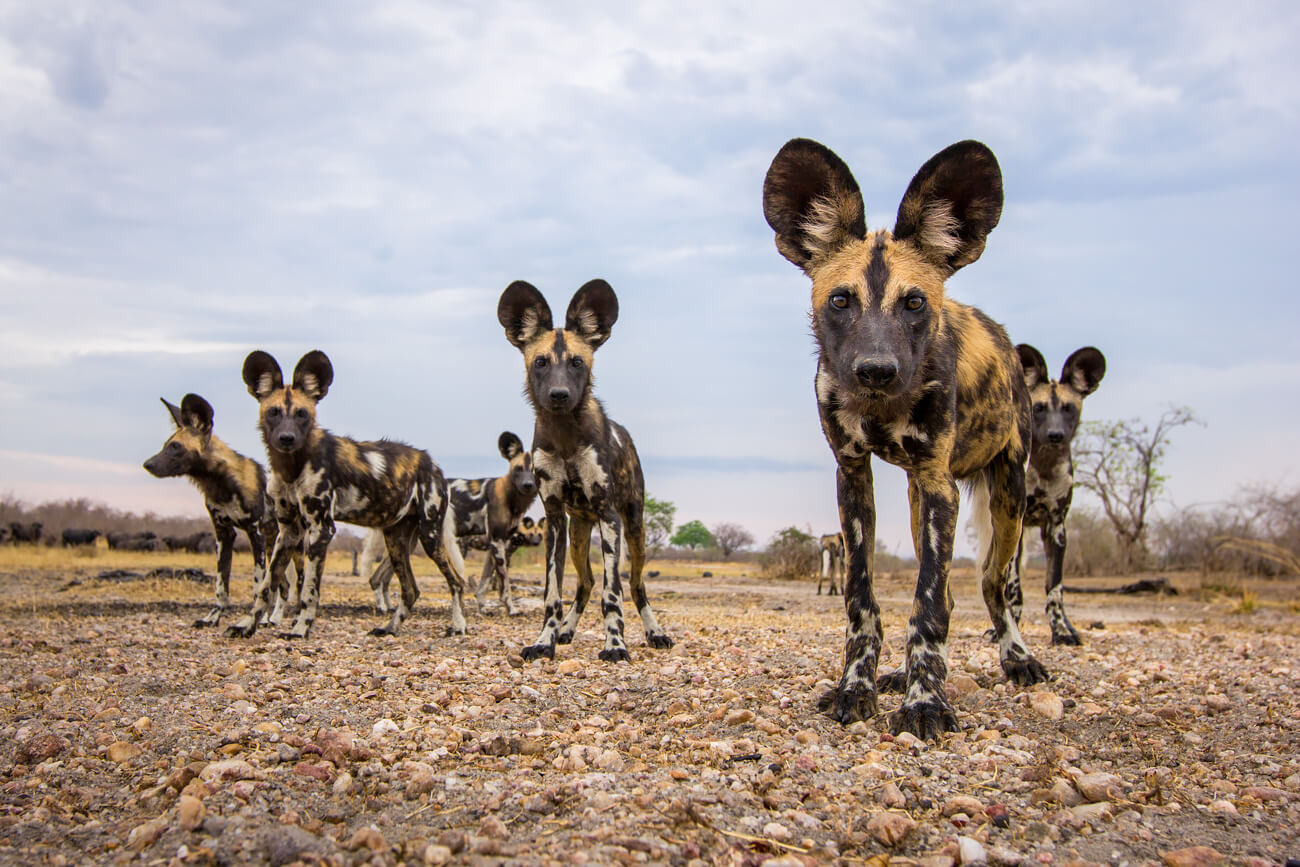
x=1063, y=632
x=287, y=540
x=225, y=534
x=499, y=555
x=552, y=603
x=319, y=518
x=854, y=698
x=611, y=601
x=926, y=712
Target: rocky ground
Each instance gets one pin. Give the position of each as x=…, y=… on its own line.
x=1172, y=736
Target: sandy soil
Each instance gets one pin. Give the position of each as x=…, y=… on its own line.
x=1172, y=736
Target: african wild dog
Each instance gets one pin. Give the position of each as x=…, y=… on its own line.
x=528, y=533
x=1049, y=484
x=832, y=557
x=585, y=462
x=73, y=537
x=490, y=508
x=318, y=478
x=923, y=382
x=233, y=488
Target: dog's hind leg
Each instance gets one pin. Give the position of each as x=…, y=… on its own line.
x=634, y=538
x=225, y=533
x=397, y=539
x=438, y=537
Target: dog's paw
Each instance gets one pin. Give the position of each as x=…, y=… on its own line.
x=848, y=705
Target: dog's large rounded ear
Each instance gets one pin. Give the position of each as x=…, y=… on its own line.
x=812, y=202
x=509, y=445
x=1035, y=366
x=196, y=413
x=1084, y=369
x=951, y=205
x=523, y=313
x=262, y=374
x=175, y=412
x=313, y=374
x=592, y=312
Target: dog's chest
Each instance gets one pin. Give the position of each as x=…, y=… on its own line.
x=577, y=479
x=1047, y=493
x=854, y=436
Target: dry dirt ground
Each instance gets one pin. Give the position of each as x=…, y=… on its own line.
x=130, y=737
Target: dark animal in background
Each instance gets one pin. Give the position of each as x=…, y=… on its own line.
x=527, y=533
x=924, y=383
x=318, y=478
x=134, y=540
x=4, y=535
x=202, y=542
x=233, y=488
x=832, y=557
x=73, y=537
x=586, y=464
x=1057, y=405
x=25, y=532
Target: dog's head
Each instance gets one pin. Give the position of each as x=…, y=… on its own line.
x=531, y=532
x=183, y=451
x=1058, y=404
x=287, y=414
x=521, y=463
x=877, y=298
x=558, y=360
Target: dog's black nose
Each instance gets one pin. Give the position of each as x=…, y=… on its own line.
x=876, y=372
x=1055, y=437
x=528, y=486
x=559, y=395
x=286, y=441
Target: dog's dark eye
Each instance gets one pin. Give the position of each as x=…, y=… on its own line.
x=174, y=447
x=273, y=412
x=840, y=300
x=541, y=361
x=1040, y=408
x=914, y=302
x=1068, y=410
x=575, y=363
x=300, y=414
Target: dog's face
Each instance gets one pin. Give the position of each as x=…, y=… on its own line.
x=531, y=532
x=877, y=298
x=1058, y=404
x=287, y=414
x=521, y=463
x=183, y=451
x=558, y=360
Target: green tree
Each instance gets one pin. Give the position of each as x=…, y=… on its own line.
x=692, y=534
x=658, y=517
x=1119, y=462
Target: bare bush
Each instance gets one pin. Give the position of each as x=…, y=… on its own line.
x=792, y=555
x=731, y=538
x=1256, y=533
x=1093, y=548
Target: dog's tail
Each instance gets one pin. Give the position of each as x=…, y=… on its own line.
x=826, y=562
x=450, y=546
x=982, y=519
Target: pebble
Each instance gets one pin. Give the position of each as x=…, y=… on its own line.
x=739, y=717
x=776, y=831
x=367, y=838
x=569, y=666
x=435, y=855
x=1193, y=856
x=190, y=812
x=1222, y=806
x=1047, y=704
x=891, y=796
x=963, y=804
x=144, y=835
x=1218, y=704
x=962, y=685
x=383, y=727
x=37, y=748
x=229, y=769
x=1264, y=793
x=342, y=784
x=1099, y=787
x=970, y=851
x=890, y=829
x=494, y=828
x=123, y=751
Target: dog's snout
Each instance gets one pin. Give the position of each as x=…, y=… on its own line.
x=528, y=486
x=286, y=440
x=559, y=395
x=876, y=372
x=1056, y=437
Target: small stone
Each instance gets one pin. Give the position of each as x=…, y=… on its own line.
x=1192, y=856
x=961, y=685
x=890, y=829
x=123, y=751
x=342, y=784
x=679, y=774
x=383, y=727
x=1099, y=787
x=963, y=804
x=143, y=836
x=1264, y=793
x=1222, y=806
x=805, y=737
x=314, y=770
x=367, y=838
x=142, y=725
x=228, y=769
x=776, y=831
x=494, y=828
x=1218, y=704
x=1047, y=704
x=739, y=717
x=569, y=666
x=435, y=855
x=190, y=812
x=891, y=796
x=970, y=851
x=1065, y=794
x=37, y=748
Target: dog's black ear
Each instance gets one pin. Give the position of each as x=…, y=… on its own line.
x=523, y=313
x=1035, y=366
x=509, y=445
x=1084, y=369
x=951, y=205
x=592, y=312
x=313, y=374
x=174, y=410
x=812, y=202
x=196, y=413
x=262, y=374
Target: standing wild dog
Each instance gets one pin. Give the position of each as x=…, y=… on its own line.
x=1049, y=484
x=585, y=462
x=832, y=554
x=487, y=508
x=924, y=383
x=233, y=488
x=318, y=478
x=528, y=533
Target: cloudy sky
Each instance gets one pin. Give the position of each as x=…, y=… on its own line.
x=183, y=183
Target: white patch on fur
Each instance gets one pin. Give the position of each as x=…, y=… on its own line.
x=939, y=227
x=825, y=385
x=310, y=384
x=378, y=465
x=265, y=383
x=824, y=226
x=590, y=473
x=906, y=429
x=982, y=520
x=613, y=432
x=348, y=501
x=588, y=325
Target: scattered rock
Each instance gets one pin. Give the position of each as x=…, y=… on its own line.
x=890, y=829
x=227, y=769
x=1099, y=787
x=190, y=812
x=39, y=747
x=366, y=838
x=970, y=851
x=1193, y=856
x=1047, y=704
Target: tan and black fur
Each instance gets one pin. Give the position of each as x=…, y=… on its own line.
x=923, y=382
x=318, y=478
x=587, y=467
x=1057, y=405
x=486, y=508
x=832, y=556
x=233, y=488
